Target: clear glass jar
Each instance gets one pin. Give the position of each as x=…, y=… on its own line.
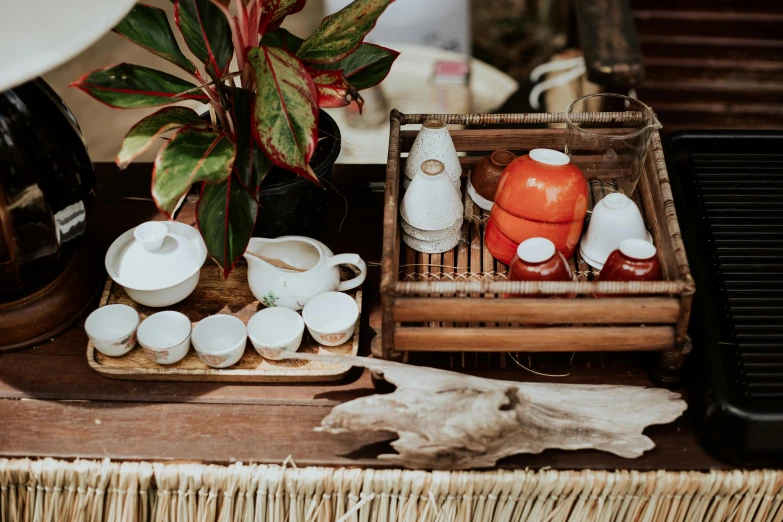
x=610, y=148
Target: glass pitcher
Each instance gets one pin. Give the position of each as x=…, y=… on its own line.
x=610, y=149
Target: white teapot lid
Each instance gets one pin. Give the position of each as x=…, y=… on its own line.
x=155, y=255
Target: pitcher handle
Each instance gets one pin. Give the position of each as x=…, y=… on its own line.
x=349, y=259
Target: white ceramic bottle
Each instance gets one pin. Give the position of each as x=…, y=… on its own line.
x=433, y=142
x=433, y=209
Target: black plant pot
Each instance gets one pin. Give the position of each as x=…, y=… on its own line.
x=293, y=205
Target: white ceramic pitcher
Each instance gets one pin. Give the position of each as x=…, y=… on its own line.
x=275, y=286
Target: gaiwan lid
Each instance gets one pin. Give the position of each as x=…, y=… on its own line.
x=156, y=255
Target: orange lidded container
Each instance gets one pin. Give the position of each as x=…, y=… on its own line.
x=541, y=194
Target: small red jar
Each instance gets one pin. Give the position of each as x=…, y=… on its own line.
x=537, y=259
x=634, y=260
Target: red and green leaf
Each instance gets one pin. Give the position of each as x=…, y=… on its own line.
x=333, y=89
x=143, y=134
x=283, y=39
x=281, y=9
x=207, y=33
x=251, y=164
x=367, y=66
x=226, y=214
x=128, y=86
x=148, y=27
x=190, y=156
x=341, y=33
x=285, y=113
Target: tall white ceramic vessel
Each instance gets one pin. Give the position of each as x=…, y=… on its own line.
x=433, y=142
x=433, y=209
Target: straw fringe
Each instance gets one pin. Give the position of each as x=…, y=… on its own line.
x=49, y=490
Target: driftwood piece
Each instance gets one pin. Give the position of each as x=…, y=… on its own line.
x=448, y=420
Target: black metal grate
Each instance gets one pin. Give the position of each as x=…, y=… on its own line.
x=741, y=200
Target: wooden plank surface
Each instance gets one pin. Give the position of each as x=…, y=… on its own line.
x=628, y=310
x=218, y=422
x=534, y=339
x=229, y=433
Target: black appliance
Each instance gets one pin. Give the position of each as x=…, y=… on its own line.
x=728, y=189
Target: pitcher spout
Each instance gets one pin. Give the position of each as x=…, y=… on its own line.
x=253, y=247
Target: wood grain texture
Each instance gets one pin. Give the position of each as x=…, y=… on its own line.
x=544, y=339
x=623, y=310
x=215, y=295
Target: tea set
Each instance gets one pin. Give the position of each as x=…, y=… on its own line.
x=159, y=263
x=538, y=205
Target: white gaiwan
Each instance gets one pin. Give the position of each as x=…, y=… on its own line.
x=158, y=263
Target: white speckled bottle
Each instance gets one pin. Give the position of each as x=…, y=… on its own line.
x=433, y=142
x=432, y=210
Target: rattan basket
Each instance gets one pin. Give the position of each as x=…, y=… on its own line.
x=453, y=301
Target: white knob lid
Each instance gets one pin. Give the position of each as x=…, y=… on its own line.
x=550, y=157
x=616, y=201
x=151, y=235
x=536, y=250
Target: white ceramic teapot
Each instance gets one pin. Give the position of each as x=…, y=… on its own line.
x=274, y=286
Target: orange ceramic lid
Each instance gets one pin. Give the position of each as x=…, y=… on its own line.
x=543, y=186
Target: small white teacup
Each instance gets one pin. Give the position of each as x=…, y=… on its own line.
x=219, y=340
x=165, y=337
x=331, y=318
x=614, y=219
x=275, y=330
x=112, y=329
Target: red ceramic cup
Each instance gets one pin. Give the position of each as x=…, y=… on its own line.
x=634, y=260
x=537, y=259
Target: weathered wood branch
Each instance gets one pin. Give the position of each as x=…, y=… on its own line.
x=448, y=420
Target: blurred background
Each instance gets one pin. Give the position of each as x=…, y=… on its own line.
x=697, y=63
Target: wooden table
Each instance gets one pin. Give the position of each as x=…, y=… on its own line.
x=53, y=404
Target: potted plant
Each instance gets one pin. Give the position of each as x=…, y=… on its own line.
x=264, y=116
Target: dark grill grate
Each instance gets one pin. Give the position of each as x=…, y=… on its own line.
x=741, y=200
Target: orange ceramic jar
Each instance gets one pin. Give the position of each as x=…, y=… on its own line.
x=500, y=245
x=565, y=236
x=541, y=195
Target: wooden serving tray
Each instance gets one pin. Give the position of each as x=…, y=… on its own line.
x=214, y=295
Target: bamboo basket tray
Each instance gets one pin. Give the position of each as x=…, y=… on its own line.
x=214, y=295
x=451, y=302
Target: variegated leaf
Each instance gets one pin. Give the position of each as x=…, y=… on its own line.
x=367, y=66
x=282, y=38
x=143, y=134
x=251, y=164
x=333, y=89
x=148, y=27
x=283, y=8
x=206, y=32
x=226, y=214
x=339, y=34
x=127, y=86
x=190, y=156
x=285, y=114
